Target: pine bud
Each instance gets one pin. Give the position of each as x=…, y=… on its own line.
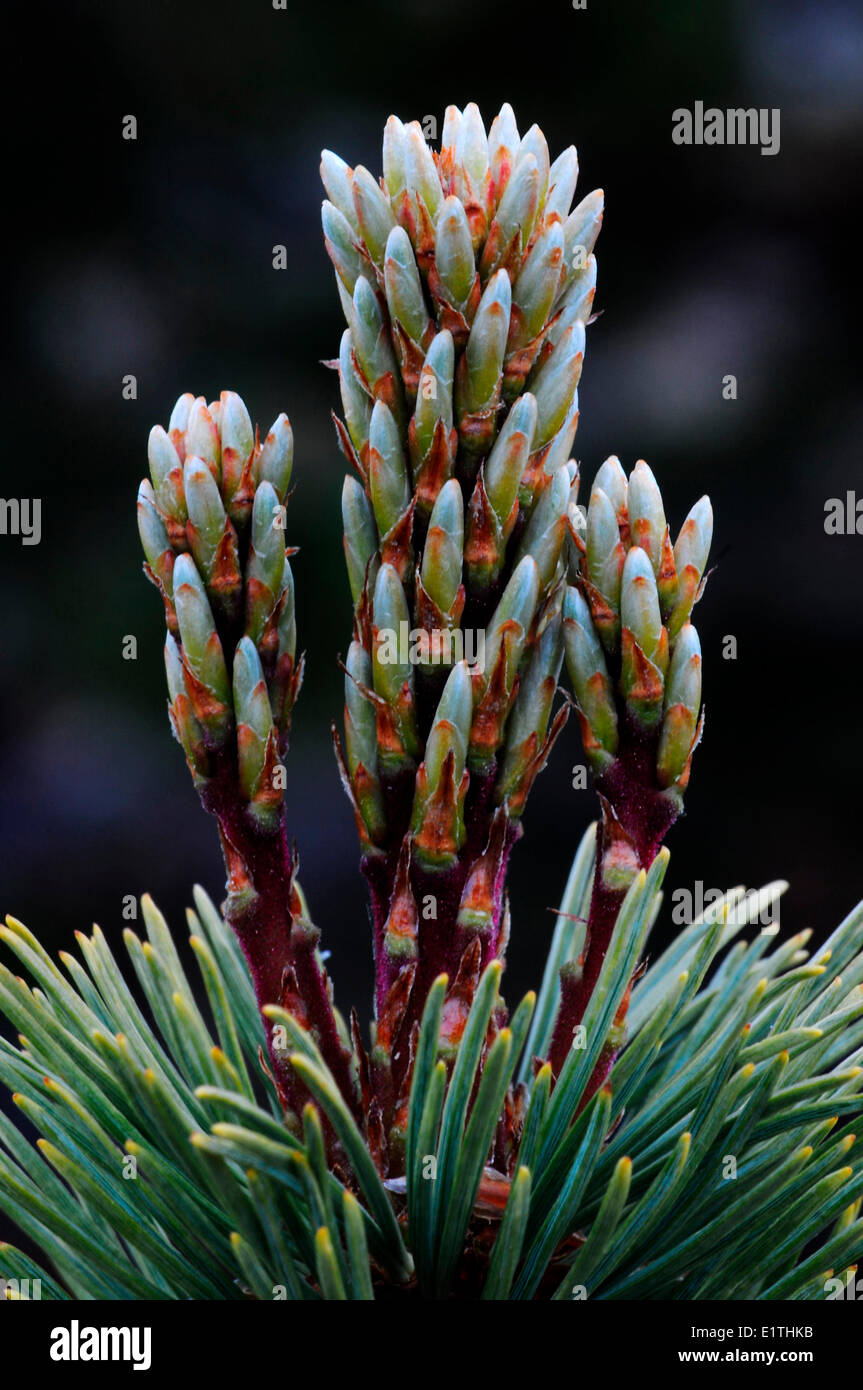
x=579, y=236
x=404, y=290
x=588, y=673
x=647, y=523
x=690, y=557
x=238, y=441
x=388, y=474
x=506, y=636
x=202, y=438
x=202, y=649
x=361, y=537
x=392, y=671
x=155, y=540
x=450, y=726
x=395, y=160
x=682, y=703
x=454, y=253
x=361, y=740
x=554, y=387
x=437, y=820
x=372, y=346
x=187, y=729
x=503, y=143
x=535, y=144
x=481, y=368
x=337, y=178
x=434, y=396
x=536, y=288
x=513, y=222
x=545, y=532
x=339, y=239
x=611, y=480
x=422, y=176
x=374, y=214
x=562, y=178
x=355, y=401
x=639, y=602
x=507, y=461
x=444, y=547
x=255, y=734
x=266, y=562
x=576, y=304
x=166, y=471
x=276, y=459
x=528, y=723
x=206, y=514
x=605, y=556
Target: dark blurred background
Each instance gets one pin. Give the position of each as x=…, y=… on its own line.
x=154, y=257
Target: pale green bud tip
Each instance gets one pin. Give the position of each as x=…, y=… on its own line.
x=151, y=528
x=646, y=514
x=267, y=535
x=577, y=612
x=337, y=178
x=202, y=435
x=390, y=486
x=683, y=686
x=277, y=456
x=251, y=704
x=390, y=604
x=399, y=249
x=186, y=575
x=602, y=533
x=197, y=627
x=361, y=536
x=180, y=414
x=422, y=175
x=472, y=146
x=555, y=386
x=394, y=157
x=693, y=543
x=203, y=499
x=456, y=701
x=441, y=356
x=487, y=342
x=639, y=601
x=562, y=178
x=520, y=597
x=444, y=549
x=356, y=512
x=288, y=616
x=373, y=210
x=508, y=459
x=448, y=511
x=434, y=397
x=454, y=258
x=236, y=426
x=161, y=456
x=358, y=666
x=174, y=669
x=611, y=479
